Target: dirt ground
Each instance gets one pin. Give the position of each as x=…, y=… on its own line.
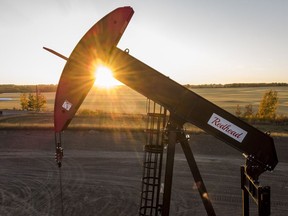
x=102, y=170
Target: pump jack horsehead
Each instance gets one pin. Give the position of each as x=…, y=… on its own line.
x=99, y=46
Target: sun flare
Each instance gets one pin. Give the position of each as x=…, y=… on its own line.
x=104, y=78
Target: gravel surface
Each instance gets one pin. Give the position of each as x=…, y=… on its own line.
x=102, y=170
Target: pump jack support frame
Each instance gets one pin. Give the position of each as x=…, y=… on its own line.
x=176, y=134
x=260, y=195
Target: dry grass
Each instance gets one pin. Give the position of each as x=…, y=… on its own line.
x=100, y=121
x=125, y=100
x=107, y=121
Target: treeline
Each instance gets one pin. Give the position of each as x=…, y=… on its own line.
x=237, y=85
x=10, y=88
x=27, y=88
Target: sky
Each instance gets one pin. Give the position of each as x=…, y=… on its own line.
x=191, y=41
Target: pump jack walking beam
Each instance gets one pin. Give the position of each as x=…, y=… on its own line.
x=187, y=106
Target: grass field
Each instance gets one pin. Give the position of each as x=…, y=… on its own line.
x=125, y=100
x=123, y=108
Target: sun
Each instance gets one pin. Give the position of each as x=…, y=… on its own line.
x=104, y=78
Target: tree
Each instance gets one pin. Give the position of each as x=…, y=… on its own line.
x=268, y=105
x=34, y=102
x=24, y=101
x=31, y=102
x=248, y=113
x=238, y=111
x=40, y=102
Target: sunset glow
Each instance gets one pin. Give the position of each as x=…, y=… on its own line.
x=104, y=78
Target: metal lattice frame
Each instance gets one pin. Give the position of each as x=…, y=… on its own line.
x=152, y=163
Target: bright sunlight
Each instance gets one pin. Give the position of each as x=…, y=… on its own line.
x=104, y=78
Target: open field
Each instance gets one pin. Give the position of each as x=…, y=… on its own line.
x=105, y=121
x=125, y=100
x=101, y=175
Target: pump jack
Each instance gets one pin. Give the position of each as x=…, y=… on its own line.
x=99, y=46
